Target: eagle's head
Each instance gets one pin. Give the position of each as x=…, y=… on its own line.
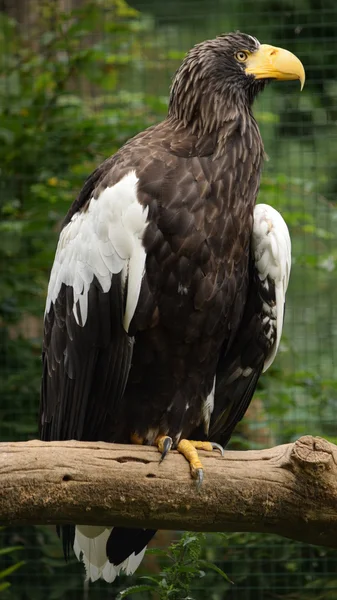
x=220, y=78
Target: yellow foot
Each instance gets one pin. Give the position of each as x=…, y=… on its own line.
x=136, y=439
x=189, y=449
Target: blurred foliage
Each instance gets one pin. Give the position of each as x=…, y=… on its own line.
x=256, y=566
x=185, y=565
x=11, y=568
x=69, y=97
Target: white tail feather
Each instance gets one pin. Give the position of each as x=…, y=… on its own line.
x=132, y=563
x=90, y=547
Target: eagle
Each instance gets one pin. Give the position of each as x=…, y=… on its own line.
x=166, y=297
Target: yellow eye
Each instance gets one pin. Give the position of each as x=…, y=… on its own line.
x=241, y=56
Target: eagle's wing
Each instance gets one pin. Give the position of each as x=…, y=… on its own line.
x=258, y=337
x=92, y=295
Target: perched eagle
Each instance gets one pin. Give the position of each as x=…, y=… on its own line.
x=166, y=297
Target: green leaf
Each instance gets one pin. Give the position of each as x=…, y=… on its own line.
x=11, y=569
x=148, y=578
x=135, y=589
x=9, y=550
x=4, y=585
x=213, y=567
x=189, y=539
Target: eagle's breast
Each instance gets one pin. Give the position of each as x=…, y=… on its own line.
x=197, y=242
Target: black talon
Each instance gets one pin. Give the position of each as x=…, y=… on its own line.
x=218, y=447
x=167, y=445
x=199, y=478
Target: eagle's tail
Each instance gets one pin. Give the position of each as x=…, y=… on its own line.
x=107, y=551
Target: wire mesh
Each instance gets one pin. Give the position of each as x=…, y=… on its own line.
x=299, y=394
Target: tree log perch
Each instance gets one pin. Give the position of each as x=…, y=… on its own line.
x=290, y=490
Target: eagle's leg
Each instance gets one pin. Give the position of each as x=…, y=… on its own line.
x=189, y=449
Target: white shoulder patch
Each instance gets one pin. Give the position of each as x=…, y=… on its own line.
x=271, y=247
x=103, y=240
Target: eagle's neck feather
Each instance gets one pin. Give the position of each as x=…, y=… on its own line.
x=204, y=99
x=213, y=137
x=207, y=112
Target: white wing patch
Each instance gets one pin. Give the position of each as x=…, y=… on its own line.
x=208, y=407
x=103, y=240
x=271, y=247
x=90, y=546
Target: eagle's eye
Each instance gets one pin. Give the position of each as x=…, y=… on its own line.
x=241, y=56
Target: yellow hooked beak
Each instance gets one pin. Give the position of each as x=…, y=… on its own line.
x=269, y=62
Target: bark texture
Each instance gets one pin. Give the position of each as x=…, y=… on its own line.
x=290, y=490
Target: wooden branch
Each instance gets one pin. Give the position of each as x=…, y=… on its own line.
x=290, y=490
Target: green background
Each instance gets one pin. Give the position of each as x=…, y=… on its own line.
x=77, y=80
